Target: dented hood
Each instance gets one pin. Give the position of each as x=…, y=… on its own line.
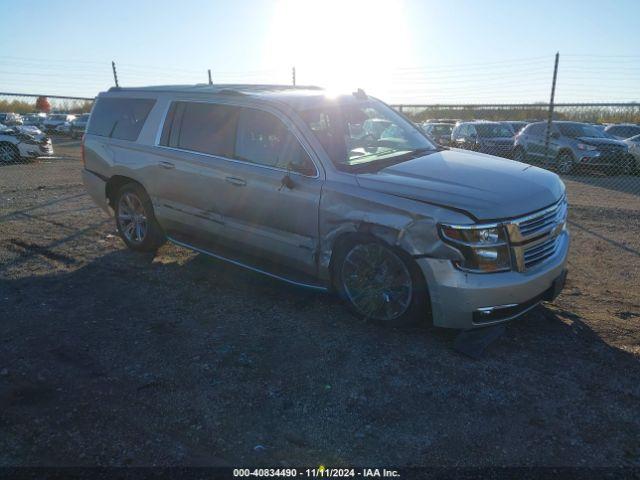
x=484, y=186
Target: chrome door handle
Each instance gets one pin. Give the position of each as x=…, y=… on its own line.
x=167, y=165
x=238, y=182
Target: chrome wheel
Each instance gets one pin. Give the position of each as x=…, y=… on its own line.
x=376, y=282
x=565, y=163
x=132, y=218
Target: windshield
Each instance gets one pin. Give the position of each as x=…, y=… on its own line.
x=365, y=132
x=58, y=117
x=581, y=130
x=488, y=130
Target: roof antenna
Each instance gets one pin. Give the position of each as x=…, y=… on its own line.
x=360, y=94
x=210, y=82
x=115, y=75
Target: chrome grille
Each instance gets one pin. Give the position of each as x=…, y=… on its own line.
x=539, y=252
x=534, y=237
x=542, y=222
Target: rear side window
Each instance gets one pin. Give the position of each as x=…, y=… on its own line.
x=263, y=139
x=201, y=127
x=121, y=118
x=536, y=129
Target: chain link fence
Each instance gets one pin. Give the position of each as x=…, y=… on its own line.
x=594, y=147
x=586, y=144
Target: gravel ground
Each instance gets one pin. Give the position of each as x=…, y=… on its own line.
x=114, y=358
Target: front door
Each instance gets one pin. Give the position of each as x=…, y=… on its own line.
x=273, y=192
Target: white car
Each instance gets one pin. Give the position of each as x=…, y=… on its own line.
x=15, y=145
x=634, y=149
x=34, y=120
x=35, y=132
x=10, y=118
x=54, y=121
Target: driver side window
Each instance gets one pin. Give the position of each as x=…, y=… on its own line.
x=263, y=139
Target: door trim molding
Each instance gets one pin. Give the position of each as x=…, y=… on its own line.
x=319, y=288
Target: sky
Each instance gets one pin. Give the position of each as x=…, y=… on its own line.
x=403, y=51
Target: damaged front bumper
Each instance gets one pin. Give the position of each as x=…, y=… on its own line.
x=465, y=300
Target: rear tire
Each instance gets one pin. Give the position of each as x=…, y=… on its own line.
x=380, y=283
x=136, y=222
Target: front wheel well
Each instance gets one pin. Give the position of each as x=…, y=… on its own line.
x=362, y=236
x=563, y=151
x=114, y=184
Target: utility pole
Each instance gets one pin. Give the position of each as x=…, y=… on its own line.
x=293, y=76
x=553, y=94
x=115, y=74
x=210, y=82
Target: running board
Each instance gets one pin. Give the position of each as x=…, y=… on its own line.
x=238, y=263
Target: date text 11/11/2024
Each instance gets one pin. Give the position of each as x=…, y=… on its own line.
x=319, y=472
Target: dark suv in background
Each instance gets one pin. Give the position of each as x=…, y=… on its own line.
x=494, y=138
x=571, y=145
x=623, y=131
x=439, y=133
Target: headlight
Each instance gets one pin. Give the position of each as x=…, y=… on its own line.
x=484, y=247
x=584, y=146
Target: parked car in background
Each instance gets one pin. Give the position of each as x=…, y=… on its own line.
x=571, y=145
x=34, y=120
x=63, y=129
x=375, y=127
x=623, y=131
x=280, y=180
x=439, y=133
x=493, y=138
x=53, y=121
x=9, y=119
x=79, y=125
x=515, y=125
x=34, y=131
x=15, y=145
x=634, y=149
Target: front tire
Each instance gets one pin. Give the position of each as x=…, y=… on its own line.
x=380, y=283
x=565, y=163
x=136, y=222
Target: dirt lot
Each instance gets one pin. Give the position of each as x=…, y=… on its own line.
x=115, y=358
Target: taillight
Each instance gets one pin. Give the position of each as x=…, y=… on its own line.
x=84, y=162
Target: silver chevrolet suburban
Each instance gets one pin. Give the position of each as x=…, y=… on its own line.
x=336, y=193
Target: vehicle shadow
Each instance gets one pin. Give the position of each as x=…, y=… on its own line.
x=185, y=360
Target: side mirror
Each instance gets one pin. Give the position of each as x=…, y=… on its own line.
x=303, y=168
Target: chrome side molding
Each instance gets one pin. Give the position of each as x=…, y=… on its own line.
x=248, y=267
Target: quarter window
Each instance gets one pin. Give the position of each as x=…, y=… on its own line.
x=121, y=118
x=263, y=139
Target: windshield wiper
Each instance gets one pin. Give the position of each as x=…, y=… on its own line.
x=381, y=163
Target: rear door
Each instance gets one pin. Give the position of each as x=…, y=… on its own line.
x=189, y=176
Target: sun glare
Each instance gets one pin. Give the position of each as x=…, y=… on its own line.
x=339, y=45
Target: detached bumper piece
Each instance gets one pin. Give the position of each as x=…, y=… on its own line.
x=508, y=312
